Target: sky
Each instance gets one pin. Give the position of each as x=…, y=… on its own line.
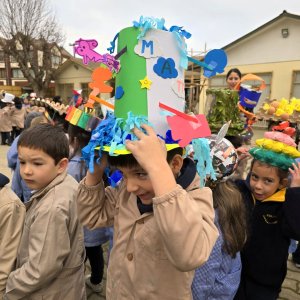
x=212, y=23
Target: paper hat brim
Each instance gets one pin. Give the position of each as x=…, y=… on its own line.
x=124, y=151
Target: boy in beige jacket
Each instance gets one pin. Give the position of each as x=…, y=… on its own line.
x=50, y=260
x=163, y=222
x=12, y=216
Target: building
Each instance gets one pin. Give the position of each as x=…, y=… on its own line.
x=11, y=74
x=271, y=51
x=73, y=74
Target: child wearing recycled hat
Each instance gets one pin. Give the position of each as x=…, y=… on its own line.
x=273, y=214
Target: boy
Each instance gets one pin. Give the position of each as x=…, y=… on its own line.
x=50, y=260
x=12, y=215
x=163, y=222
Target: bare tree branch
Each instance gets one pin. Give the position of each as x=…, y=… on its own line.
x=28, y=30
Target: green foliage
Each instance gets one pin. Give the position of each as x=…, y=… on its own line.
x=223, y=108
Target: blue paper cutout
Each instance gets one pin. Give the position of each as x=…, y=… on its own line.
x=217, y=60
x=146, y=23
x=181, y=31
x=165, y=68
x=119, y=92
x=113, y=44
x=147, y=45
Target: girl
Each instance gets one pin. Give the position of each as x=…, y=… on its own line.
x=219, y=277
x=273, y=211
x=93, y=239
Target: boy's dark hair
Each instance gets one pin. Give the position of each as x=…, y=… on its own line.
x=48, y=138
x=128, y=161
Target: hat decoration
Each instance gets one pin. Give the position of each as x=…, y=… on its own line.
x=277, y=149
x=249, y=96
x=8, y=98
x=78, y=115
x=149, y=89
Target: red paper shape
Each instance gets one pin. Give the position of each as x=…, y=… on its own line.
x=185, y=130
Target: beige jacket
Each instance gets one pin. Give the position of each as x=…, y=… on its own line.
x=154, y=254
x=5, y=119
x=18, y=117
x=50, y=262
x=12, y=216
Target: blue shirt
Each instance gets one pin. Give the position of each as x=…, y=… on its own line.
x=219, y=277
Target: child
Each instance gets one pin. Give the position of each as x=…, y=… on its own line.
x=50, y=261
x=12, y=215
x=18, y=115
x=93, y=239
x=274, y=216
x=219, y=277
x=163, y=221
x=5, y=118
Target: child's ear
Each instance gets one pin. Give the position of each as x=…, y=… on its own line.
x=283, y=183
x=176, y=164
x=62, y=165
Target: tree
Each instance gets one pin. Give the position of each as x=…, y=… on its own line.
x=29, y=32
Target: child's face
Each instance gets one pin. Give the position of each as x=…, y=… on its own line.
x=37, y=168
x=264, y=181
x=138, y=182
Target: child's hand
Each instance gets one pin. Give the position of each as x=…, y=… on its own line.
x=149, y=150
x=295, y=173
x=95, y=177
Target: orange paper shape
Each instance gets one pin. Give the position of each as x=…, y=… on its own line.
x=99, y=76
x=185, y=130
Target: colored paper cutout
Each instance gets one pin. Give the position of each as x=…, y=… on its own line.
x=178, y=88
x=145, y=83
x=148, y=48
x=217, y=60
x=99, y=76
x=200, y=63
x=165, y=68
x=181, y=114
x=119, y=92
x=85, y=48
x=101, y=101
x=185, y=131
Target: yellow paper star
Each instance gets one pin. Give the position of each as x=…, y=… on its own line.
x=145, y=83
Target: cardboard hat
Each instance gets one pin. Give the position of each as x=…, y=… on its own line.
x=149, y=87
x=277, y=149
x=8, y=98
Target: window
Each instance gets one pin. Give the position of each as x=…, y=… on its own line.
x=296, y=84
x=2, y=73
x=55, y=60
x=12, y=59
x=17, y=73
x=85, y=90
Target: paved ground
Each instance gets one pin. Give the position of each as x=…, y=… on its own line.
x=291, y=286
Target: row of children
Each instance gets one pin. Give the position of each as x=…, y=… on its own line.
x=163, y=224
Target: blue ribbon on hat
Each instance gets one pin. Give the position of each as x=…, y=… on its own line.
x=204, y=161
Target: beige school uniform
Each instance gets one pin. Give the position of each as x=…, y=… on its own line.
x=18, y=117
x=154, y=254
x=50, y=262
x=5, y=119
x=12, y=216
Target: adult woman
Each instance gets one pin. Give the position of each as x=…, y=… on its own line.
x=232, y=77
